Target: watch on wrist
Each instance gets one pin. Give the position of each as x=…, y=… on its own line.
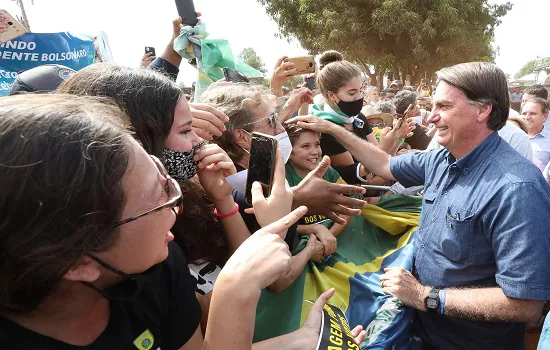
x=432, y=301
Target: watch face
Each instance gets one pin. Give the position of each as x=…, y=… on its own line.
x=431, y=303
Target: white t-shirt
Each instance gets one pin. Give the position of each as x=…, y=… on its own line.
x=516, y=137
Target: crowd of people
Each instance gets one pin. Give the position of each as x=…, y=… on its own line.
x=119, y=229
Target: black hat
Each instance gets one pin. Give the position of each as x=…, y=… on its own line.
x=44, y=78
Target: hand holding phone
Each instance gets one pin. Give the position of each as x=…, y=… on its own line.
x=302, y=65
x=279, y=203
x=261, y=166
x=151, y=50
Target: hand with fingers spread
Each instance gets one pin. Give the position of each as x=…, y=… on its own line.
x=279, y=203
x=326, y=237
x=312, y=326
x=326, y=198
x=282, y=73
x=207, y=121
x=404, y=286
x=214, y=166
x=147, y=59
x=313, y=123
x=261, y=259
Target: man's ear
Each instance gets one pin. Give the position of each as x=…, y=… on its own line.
x=484, y=112
x=241, y=138
x=85, y=270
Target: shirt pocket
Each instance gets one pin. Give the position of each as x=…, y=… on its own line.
x=456, y=240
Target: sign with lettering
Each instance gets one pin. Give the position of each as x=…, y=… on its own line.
x=33, y=49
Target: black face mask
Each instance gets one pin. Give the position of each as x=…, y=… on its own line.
x=127, y=289
x=351, y=109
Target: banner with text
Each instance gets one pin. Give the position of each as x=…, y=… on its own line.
x=32, y=49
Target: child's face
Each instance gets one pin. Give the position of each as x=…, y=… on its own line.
x=306, y=151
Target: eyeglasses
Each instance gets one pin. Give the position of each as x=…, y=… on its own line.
x=273, y=120
x=172, y=189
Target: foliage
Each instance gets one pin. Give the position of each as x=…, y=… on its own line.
x=405, y=37
x=531, y=66
x=250, y=57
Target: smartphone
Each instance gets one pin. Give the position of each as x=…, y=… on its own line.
x=261, y=167
x=186, y=10
x=311, y=82
x=234, y=76
x=303, y=65
x=10, y=28
x=150, y=49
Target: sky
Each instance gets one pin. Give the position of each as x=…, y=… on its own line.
x=133, y=24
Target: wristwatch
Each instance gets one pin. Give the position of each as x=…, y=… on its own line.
x=432, y=300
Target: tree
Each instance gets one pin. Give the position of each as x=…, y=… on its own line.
x=250, y=57
x=532, y=66
x=405, y=37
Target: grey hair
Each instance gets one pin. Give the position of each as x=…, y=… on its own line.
x=403, y=99
x=385, y=107
x=483, y=84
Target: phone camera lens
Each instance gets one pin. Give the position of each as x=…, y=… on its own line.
x=310, y=64
x=10, y=23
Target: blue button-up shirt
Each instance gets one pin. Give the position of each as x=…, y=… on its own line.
x=485, y=222
x=541, y=146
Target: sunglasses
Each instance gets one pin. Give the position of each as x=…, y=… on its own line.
x=273, y=120
x=173, y=191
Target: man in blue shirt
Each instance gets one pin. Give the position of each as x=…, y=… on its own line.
x=483, y=242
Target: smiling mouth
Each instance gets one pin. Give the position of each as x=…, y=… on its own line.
x=443, y=128
x=313, y=160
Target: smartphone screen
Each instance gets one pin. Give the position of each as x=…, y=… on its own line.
x=263, y=153
x=234, y=76
x=186, y=10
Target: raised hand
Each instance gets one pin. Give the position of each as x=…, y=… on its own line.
x=207, y=121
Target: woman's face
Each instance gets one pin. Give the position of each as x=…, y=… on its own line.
x=352, y=90
x=142, y=243
x=182, y=137
x=306, y=151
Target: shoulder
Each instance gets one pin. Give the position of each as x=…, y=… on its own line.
x=331, y=175
x=513, y=166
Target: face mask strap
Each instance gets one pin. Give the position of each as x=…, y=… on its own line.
x=109, y=267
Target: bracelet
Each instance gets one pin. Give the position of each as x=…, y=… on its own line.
x=357, y=171
x=221, y=216
x=442, y=296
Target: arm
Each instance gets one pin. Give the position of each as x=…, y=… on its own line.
x=169, y=54
x=297, y=98
x=484, y=304
x=367, y=154
x=259, y=262
x=236, y=231
x=336, y=229
x=298, y=264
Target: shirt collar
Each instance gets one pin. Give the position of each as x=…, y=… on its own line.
x=477, y=155
x=544, y=133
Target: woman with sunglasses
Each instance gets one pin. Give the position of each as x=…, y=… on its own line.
x=86, y=259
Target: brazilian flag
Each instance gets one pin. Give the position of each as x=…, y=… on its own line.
x=381, y=237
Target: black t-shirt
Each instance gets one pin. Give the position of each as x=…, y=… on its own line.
x=164, y=315
x=332, y=147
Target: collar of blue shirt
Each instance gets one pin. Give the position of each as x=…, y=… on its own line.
x=477, y=155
